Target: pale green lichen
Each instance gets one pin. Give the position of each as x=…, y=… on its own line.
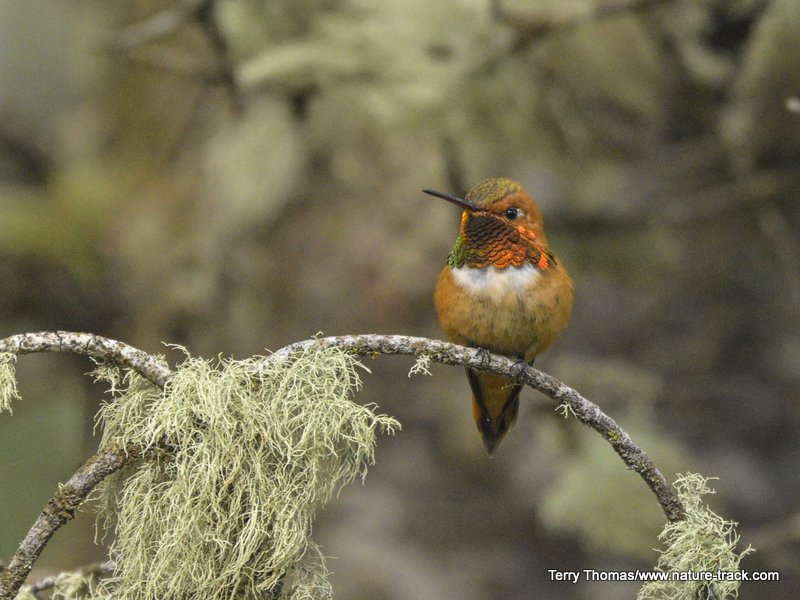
x=421, y=366
x=566, y=410
x=703, y=542
x=69, y=586
x=8, y=381
x=259, y=446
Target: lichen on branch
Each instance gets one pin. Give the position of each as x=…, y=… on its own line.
x=258, y=447
x=702, y=542
x=8, y=381
x=167, y=431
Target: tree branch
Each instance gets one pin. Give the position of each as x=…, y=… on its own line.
x=95, y=346
x=62, y=506
x=60, y=509
x=72, y=494
x=587, y=412
x=162, y=24
x=166, y=22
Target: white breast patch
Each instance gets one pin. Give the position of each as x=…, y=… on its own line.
x=491, y=281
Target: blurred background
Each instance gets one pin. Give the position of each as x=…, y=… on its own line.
x=235, y=175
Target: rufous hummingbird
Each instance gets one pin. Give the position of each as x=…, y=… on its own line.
x=502, y=290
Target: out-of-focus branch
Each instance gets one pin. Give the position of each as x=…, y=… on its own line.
x=160, y=25
x=227, y=70
x=128, y=41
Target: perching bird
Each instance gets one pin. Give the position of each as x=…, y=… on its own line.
x=502, y=290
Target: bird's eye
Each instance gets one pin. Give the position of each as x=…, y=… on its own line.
x=511, y=213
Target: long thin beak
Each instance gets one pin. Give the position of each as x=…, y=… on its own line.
x=454, y=199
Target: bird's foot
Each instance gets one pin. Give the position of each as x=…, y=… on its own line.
x=519, y=368
x=483, y=355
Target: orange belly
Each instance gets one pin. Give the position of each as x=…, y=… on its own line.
x=516, y=311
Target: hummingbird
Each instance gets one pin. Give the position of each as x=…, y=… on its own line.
x=502, y=290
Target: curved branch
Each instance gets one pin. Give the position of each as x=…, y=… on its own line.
x=60, y=509
x=62, y=506
x=586, y=411
x=95, y=346
x=72, y=494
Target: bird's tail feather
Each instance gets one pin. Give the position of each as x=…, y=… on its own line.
x=495, y=403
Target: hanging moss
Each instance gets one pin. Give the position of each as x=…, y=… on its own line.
x=8, y=381
x=702, y=542
x=260, y=445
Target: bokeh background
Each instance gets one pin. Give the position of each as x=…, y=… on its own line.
x=236, y=175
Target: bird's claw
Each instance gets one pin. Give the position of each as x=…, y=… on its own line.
x=519, y=368
x=483, y=355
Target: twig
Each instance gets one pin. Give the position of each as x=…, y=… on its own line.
x=587, y=412
x=95, y=346
x=60, y=509
x=210, y=24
